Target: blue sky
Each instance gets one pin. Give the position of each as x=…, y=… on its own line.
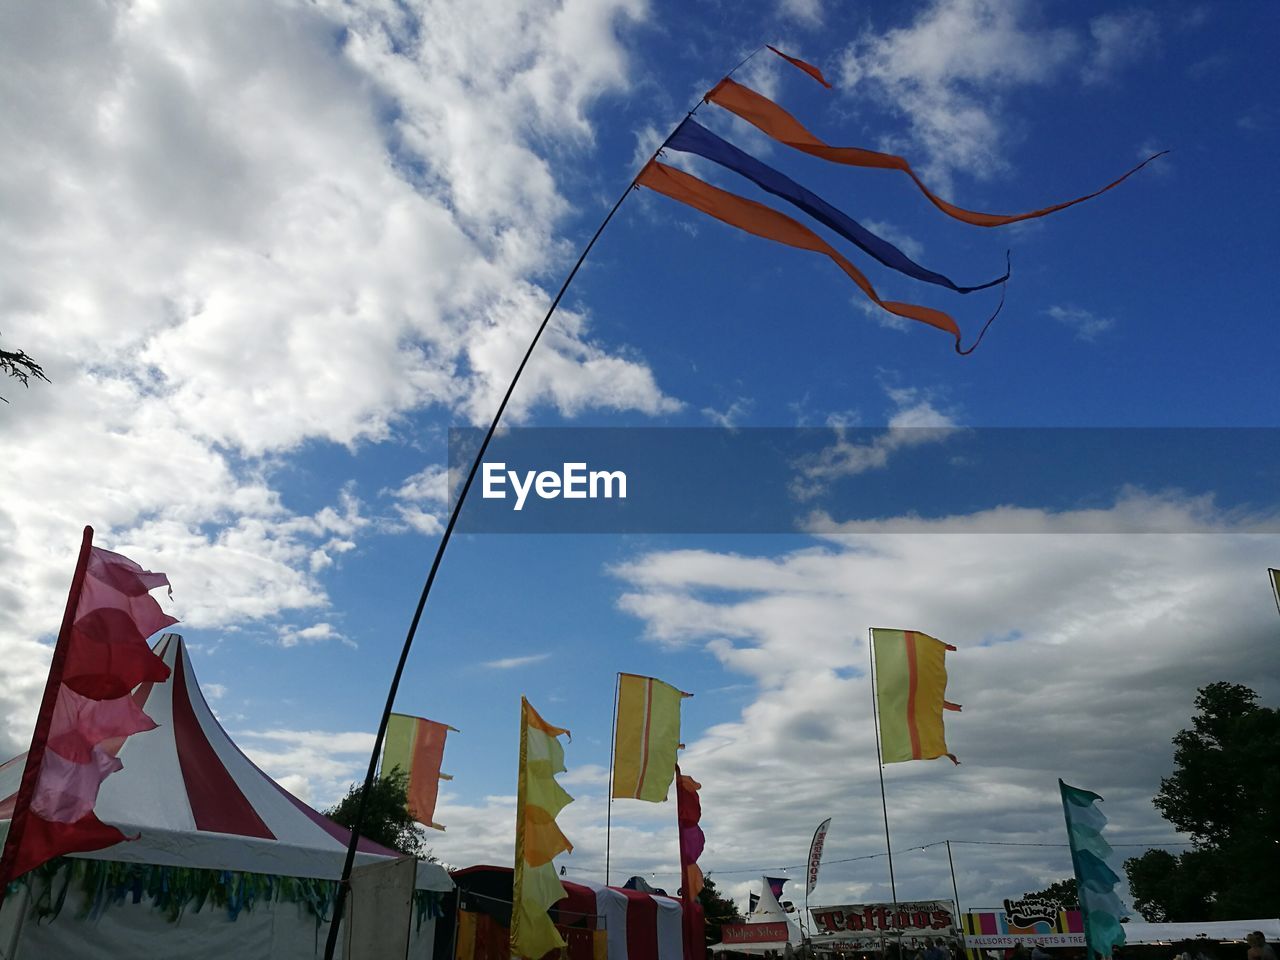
x=270, y=253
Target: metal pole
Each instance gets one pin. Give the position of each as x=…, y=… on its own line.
x=608, y=816
x=345, y=882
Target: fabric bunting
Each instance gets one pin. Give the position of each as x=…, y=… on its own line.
x=777, y=123
x=539, y=799
x=416, y=746
x=808, y=68
x=1095, y=880
x=87, y=711
x=646, y=738
x=911, y=686
x=692, y=843
x=761, y=221
x=692, y=137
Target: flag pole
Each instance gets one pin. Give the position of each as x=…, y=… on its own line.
x=40, y=735
x=344, y=882
x=608, y=816
x=1275, y=586
x=884, y=806
x=955, y=892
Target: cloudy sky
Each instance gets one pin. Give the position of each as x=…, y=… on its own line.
x=270, y=252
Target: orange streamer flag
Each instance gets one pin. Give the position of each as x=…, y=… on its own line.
x=756, y=218
x=87, y=712
x=911, y=687
x=771, y=119
x=535, y=885
x=646, y=738
x=808, y=68
x=416, y=746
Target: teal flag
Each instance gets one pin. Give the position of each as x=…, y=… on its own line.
x=1100, y=908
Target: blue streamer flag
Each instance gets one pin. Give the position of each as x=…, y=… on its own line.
x=1100, y=908
x=755, y=218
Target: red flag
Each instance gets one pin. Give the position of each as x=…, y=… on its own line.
x=86, y=712
x=808, y=68
x=771, y=119
x=692, y=841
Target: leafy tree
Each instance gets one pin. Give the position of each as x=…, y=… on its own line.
x=1061, y=895
x=386, y=815
x=20, y=366
x=717, y=909
x=1225, y=793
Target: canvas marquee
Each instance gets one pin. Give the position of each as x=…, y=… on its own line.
x=195, y=802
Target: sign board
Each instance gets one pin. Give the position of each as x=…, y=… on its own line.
x=875, y=920
x=1031, y=924
x=754, y=933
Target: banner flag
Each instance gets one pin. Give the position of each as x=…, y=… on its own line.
x=646, y=738
x=416, y=746
x=815, y=855
x=535, y=884
x=808, y=68
x=1095, y=880
x=87, y=710
x=692, y=842
x=774, y=121
x=911, y=686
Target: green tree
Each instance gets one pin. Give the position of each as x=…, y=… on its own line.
x=386, y=815
x=1061, y=895
x=717, y=909
x=1225, y=793
x=20, y=366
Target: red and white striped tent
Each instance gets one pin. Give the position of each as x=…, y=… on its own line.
x=193, y=799
x=633, y=925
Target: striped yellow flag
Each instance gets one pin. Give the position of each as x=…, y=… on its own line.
x=416, y=746
x=646, y=738
x=911, y=688
x=538, y=839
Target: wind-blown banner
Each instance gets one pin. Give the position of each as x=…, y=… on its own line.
x=911, y=687
x=756, y=218
x=815, y=855
x=692, y=842
x=692, y=137
x=646, y=738
x=1095, y=880
x=416, y=746
x=539, y=799
x=87, y=710
x=773, y=120
x=799, y=64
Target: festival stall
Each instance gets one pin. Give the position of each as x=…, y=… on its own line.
x=767, y=930
x=597, y=922
x=226, y=862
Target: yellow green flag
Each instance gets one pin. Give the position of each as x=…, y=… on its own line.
x=911, y=687
x=646, y=737
x=538, y=839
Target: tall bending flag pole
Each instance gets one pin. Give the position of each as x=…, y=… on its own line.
x=344, y=883
x=1275, y=586
x=751, y=217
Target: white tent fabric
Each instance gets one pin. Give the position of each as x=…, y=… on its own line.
x=1135, y=932
x=613, y=905
x=193, y=799
x=767, y=910
x=197, y=801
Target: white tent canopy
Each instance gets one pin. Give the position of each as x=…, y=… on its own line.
x=1136, y=933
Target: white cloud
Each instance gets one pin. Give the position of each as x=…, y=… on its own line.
x=291, y=636
x=914, y=421
x=1088, y=326
x=806, y=12
x=1120, y=39
x=232, y=230
x=512, y=663
x=947, y=70
x=317, y=766
x=1079, y=657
